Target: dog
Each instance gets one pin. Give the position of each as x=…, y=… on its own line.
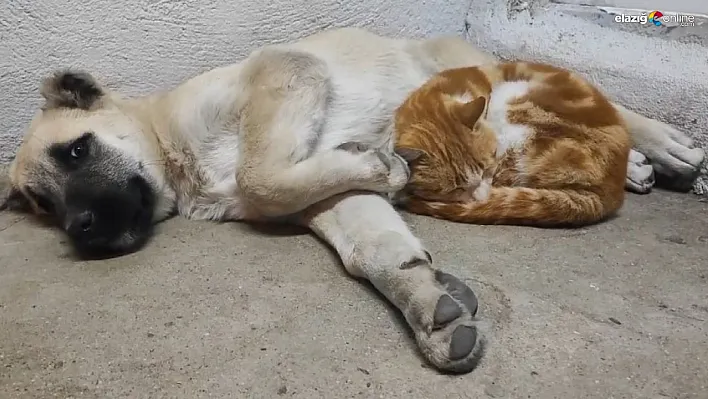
x=298, y=132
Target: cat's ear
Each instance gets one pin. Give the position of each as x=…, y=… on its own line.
x=470, y=112
x=410, y=155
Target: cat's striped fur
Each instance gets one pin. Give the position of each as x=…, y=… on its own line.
x=513, y=143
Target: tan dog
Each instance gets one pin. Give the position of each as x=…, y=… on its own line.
x=301, y=131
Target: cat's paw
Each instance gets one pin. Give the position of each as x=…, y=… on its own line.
x=640, y=175
x=482, y=192
x=384, y=172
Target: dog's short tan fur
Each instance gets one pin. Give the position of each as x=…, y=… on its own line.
x=300, y=131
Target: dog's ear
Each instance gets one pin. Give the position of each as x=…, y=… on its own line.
x=71, y=89
x=12, y=199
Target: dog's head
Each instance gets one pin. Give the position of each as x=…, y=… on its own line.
x=88, y=162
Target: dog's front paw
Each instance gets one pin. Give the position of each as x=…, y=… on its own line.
x=385, y=172
x=442, y=317
x=674, y=160
x=399, y=173
x=679, y=167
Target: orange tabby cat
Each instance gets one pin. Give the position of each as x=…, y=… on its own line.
x=512, y=143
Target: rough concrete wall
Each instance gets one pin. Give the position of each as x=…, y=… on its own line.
x=139, y=45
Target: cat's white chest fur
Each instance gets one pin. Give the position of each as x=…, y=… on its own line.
x=509, y=135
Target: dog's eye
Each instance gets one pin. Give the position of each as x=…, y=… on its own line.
x=72, y=155
x=80, y=147
x=78, y=150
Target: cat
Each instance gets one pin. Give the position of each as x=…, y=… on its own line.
x=516, y=143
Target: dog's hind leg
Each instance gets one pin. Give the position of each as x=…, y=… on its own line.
x=286, y=103
x=375, y=244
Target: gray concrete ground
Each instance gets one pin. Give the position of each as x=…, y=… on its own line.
x=617, y=310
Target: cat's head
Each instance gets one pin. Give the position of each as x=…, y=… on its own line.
x=450, y=152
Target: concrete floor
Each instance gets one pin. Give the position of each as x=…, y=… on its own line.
x=618, y=310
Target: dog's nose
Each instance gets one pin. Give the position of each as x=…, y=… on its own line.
x=81, y=224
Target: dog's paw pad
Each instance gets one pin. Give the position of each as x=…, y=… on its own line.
x=446, y=311
x=459, y=290
x=449, y=338
x=463, y=341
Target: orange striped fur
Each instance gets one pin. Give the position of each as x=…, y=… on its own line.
x=568, y=169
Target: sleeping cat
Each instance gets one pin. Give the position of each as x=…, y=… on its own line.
x=512, y=143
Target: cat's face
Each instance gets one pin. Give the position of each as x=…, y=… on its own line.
x=451, y=153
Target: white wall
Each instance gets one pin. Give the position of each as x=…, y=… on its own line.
x=139, y=45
